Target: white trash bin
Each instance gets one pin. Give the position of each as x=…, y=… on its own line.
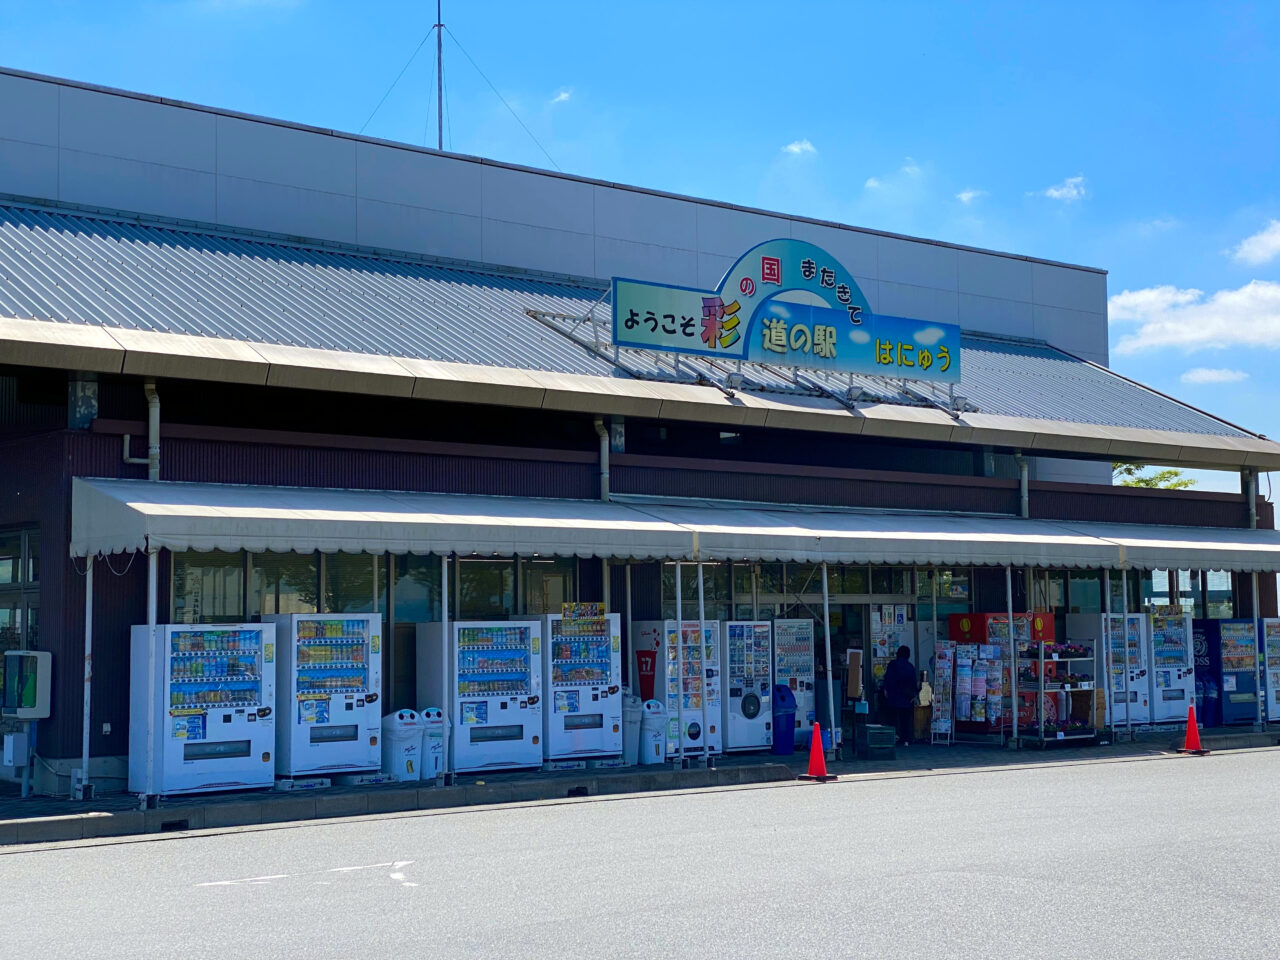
x=632, y=710
x=402, y=745
x=653, y=733
x=433, y=721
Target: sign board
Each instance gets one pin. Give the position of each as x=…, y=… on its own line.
x=788, y=303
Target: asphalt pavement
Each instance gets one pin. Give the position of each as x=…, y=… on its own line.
x=1170, y=857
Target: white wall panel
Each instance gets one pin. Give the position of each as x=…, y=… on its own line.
x=989, y=276
x=28, y=169
x=711, y=269
x=132, y=129
x=731, y=233
x=645, y=261
x=397, y=226
x=644, y=218
x=1072, y=330
x=1070, y=471
x=289, y=210
x=113, y=182
x=920, y=264
x=918, y=303
x=28, y=110
x=296, y=158
x=417, y=179
x=857, y=251
x=993, y=315
x=1073, y=289
x=537, y=200
x=537, y=248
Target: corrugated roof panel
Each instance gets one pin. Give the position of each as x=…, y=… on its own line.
x=91, y=269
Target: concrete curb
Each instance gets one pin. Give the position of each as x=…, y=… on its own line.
x=281, y=808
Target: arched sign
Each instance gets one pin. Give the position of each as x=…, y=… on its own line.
x=788, y=303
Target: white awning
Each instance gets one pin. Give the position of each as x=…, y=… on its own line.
x=115, y=516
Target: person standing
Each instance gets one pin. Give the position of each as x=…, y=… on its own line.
x=900, y=689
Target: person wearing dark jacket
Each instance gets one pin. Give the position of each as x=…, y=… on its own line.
x=900, y=690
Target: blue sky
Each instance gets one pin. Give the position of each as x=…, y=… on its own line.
x=1141, y=138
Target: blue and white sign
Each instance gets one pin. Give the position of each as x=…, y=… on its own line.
x=787, y=303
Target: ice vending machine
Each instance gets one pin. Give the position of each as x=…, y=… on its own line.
x=746, y=653
x=583, y=667
x=1127, y=650
x=212, y=719
x=1229, y=665
x=793, y=653
x=329, y=674
x=494, y=695
x=1173, y=666
x=687, y=668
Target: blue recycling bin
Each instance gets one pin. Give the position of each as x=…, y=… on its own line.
x=784, y=720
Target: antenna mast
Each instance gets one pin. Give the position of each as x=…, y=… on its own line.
x=439, y=79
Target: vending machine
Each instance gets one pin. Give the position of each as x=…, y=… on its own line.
x=793, y=652
x=212, y=721
x=1229, y=666
x=747, y=656
x=1129, y=689
x=687, y=676
x=329, y=674
x=583, y=667
x=494, y=696
x=1269, y=641
x=1173, y=668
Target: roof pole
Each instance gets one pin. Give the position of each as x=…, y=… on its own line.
x=679, y=671
x=1257, y=654
x=1110, y=694
x=82, y=789
x=826, y=627
x=1013, y=657
x=446, y=641
x=439, y=79
x=153, y=707
x=703, y=659
x=1128, y=654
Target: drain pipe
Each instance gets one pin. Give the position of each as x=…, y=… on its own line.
x=603, y=434
x=1024, y=496
x=1251, y=494
x=152, y=459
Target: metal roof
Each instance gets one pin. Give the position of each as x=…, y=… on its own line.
x=125, y=274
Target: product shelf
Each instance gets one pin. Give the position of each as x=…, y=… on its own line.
x=332, y=665
x=234, y=678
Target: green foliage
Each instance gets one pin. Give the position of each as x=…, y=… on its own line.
x=1135, y=475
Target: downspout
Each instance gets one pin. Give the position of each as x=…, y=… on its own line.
x=603, y=434
x=1251, y=494
x=1024, y=496
x=153, y=429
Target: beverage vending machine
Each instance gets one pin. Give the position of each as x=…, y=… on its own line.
x=746, y=654
x=1229, y=667
x=1269, y=645
x=1173, y=667
x=1128, y=689
x=583, y=666
x=329, y=674
x=687, y=677
x=793, y=652
x=213, y=720
x=492, y=691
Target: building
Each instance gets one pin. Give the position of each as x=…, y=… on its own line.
x=306, y=308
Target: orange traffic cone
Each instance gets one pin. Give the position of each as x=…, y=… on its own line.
x=1192, y=743
x=817, y=759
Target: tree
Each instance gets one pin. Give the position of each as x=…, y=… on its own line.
x=1133, y=475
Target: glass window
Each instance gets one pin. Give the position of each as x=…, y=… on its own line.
x=547, y=583
x=283, y=583
x=850, y=580
x=33, y=625
x=10, y=624
x=208, y=587
x=715, y=590
x=10, y=557
x=486, y=589
x=417, y=581
x=33, y=557
x=953, y=586
x=742, y=583
x=1085, y=591
x=348, y=583
x=890, y=580
x=1219, y=595
x=771, y=579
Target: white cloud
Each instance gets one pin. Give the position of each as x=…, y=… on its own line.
x=929, y=336
x=1213, y=375
x=799, y=147
x=873, y=183
x=968, y=195
x=1068, y=191
x=562, y=97
x=910, y=167
x=1262, y=247
x=1169, y=317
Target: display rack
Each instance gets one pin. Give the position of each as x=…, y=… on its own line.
x=1061, y=702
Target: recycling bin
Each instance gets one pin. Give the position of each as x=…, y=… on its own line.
x=632, y=712
x=653, y=733
x=784, y=720
x=433, y=721
x=402, y=745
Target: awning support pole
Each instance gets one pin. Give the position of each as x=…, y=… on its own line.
x=1108, y=703
x=604, y=584
x=630, y=631
x=679, y=666
x=153, y=575
x=82, y=789
x=933, y=581
x=706, y=669
x=446, y=662
x=375, y=585
x=1013, y=657
x=826, y=629
x=1128, y=654
x=755, y=596
x=1257, y=654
